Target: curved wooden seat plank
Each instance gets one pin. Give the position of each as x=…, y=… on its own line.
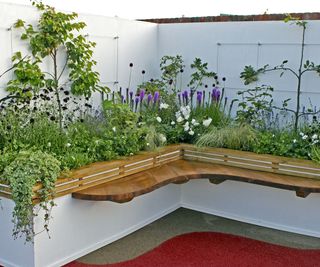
x=180, y=171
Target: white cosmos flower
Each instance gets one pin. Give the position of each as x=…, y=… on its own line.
x=159, y=119
x=294, y=141
x=114, y=129
x=68, y=145
x=194, y=122
x=164, y=106
x=173, y=123
x=191, y=132
x=207, y=122
x=315, y=136
x=304, y=137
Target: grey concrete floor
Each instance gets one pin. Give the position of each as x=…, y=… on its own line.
x=185, y=221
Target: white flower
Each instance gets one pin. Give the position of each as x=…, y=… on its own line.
x=179, y=119
x=304, y=137
x=194, y=122
x=162, y=138
x=49, y=144
x=159, y=119
x=315, y=136
x=185, y=111
x=315, y=142
x=164, y=106
x=191, y=132
x=294, y=141
x=68, y=145
x=178, y=114
x=114, y=129
x=301, y=134
x=147, y=144
x=207, y=122
x=173, y=123
x=186, y=126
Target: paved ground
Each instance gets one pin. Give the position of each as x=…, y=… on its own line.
x=184, y=221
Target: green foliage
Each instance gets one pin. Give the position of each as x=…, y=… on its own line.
x=241, y=137
x=200, y=72
x=253, y=106
x=170, y=67
x=55, y=34
x=315, y=154
x=249, y=75
x=29, y=78
x=284, y=143
x=27, y=169
x=152, y=86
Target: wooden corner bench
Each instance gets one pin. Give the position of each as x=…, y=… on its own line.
x=179, y=164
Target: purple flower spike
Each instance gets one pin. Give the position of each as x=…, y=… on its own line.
x=131, y=94
x=218, y=95
x=149, y=98
x=185, y=95
x=141, y=95
x=122, y=99
x=215, y=94
x=156, y=97
x=199, y=97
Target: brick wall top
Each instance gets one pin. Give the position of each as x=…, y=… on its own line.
x=225, y=18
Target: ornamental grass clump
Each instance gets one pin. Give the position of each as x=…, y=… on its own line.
x=239, y=137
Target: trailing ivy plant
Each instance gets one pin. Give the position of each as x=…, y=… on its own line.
x=22, y=174
x=250, y=75
x=56, y=36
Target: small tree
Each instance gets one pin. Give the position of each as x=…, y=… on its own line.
x=250, y=75
x=55, y=36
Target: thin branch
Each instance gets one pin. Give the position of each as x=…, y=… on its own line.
x=314, y=69
x=49, y=74
x=309, y=113
x=283, y=68
x=8, y=97
x=284, y=109
x=14, y=65
x=63, y=69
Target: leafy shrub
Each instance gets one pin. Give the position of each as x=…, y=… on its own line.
x=283, y=143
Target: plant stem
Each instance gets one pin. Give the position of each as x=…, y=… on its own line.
x=54, y=56
x=297, y=112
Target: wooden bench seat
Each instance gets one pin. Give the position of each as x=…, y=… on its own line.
x=180, y=171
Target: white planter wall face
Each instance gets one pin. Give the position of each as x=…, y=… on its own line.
x=80, y=227
x=13, y=253
x=260, y=205
x=229, y=46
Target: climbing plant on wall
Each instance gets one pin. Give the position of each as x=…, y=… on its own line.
x=250, y=75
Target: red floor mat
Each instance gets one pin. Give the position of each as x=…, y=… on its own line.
x=206, y=249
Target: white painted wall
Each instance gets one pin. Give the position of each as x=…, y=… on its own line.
x=256, y=204
x=119, y=42
x=13, y=253
x=79, y=227
x=239, y=47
